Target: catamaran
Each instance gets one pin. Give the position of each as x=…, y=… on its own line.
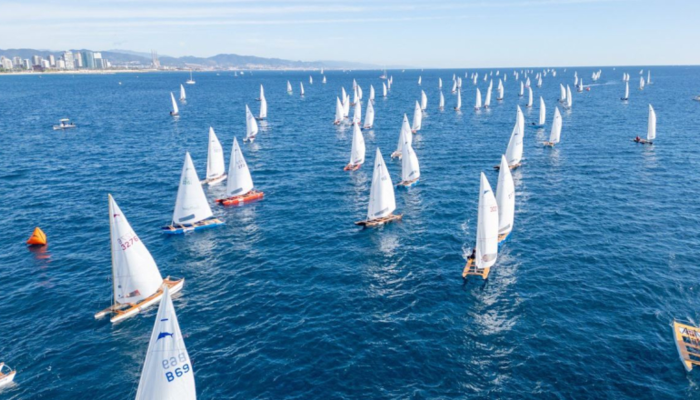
x=651, y=128
x=505, y=197
x=477, y=105
x=404, y=135
x=423, y=100
x=192, y=211
x=239, y=186
x=136, y=281
x=357, y=152
x=410, y=170
x=7, y=374
x=529, y=97
x=555, y=134
x=167, y=372
x=459, y=101
x=175, y=112
x=216, y=172
x=486, y=249
x=251, y=127
x=543, y=115
x=514, y=152
x=441, y=104
x=369, y=116
x=183, y=96
x=417, y=118
x=382, y=202
x=190, y=81
x=627, y=92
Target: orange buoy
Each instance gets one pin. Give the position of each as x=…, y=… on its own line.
x=38, y=238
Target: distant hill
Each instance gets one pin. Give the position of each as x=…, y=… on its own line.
x=217, y=61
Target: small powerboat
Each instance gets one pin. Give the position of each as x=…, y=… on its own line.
x=64, y=124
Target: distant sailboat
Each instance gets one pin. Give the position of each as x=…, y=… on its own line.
x=369, y=116
x=500, y=89
x=216, y=168
x=627, y=92
x=339, y=112
x=251, y=127
x=190, y=81
x=419, y=80
x=555, y=134
x=136, y=280
x=263, y=109
x=384, y=89
x=417, y=118
x=371, y=93
x=439, y=83
x=262, y=93
x=514, y=152
x=477, y=104
x=568, y=97
x=410, y=170
x=311, y=80
x=192, y=211
x=459, y=101
x=505, y=197
x=289, y=87
x=543, y=115
x=301, y=87
x=382, y=202
x=239, y=186
x=486, y=249
x=454, y=87
x=324, y=80
x=175, y=112
x=648, y=77
x=529, y=97
x=167, y=372
x=487, y=101
x=562, y=94
x=183, y=96
x=651, y=128
x=357, y=152
x=441, y=105
x=580, y=85
x=641, y=83
x=423, y=100
x=357, y=116
x=404, y=135
x=7, y=374
x=522, y=89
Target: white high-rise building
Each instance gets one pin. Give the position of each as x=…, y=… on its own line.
x=68, y=58
x=60, y=64
x=52, y=60
x=6, y=63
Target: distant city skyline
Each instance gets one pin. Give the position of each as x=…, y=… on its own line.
x=420, y=34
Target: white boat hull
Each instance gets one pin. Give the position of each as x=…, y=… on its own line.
x=214, y=181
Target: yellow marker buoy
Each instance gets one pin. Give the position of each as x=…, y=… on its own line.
x=38, y=238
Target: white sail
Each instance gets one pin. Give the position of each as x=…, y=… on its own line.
x=529, y=97
x=135, y=275
x=301, y=88
x=371, y=93
x=641, y=82
x=183, y=96
x=501, y=89
x=514, y=152
x=384, y=89
x=311, y=80
x=262, y=92
x=346, y=106
x=404, y=135
x=505, y=197
x=417, y=118
x=339, y=112
x=555, y=134
x=369, y=116
x=651, y=128
x=478, y=99
x=191, y=205
x=648, y=77
x=459, y=100
x=239, y=180
x=568, y=97
x=215, y=156
x=381, y=195
x=486, y=227
x=522, y=88
x=251, y=126
x=359, y=92
x=580, y=85
x=441, y=105
x=167, y=372
x=487, y=101
x=324, y=79
x=263, y=108
x=439, y=83
x=419, y=80
x=543, y=112
x=423, y=100
x=454, y=86
x=289, y=87
x=357, y=153
x=357, y=116
x=562, y=93
x=539, y=81
x=355, y=96
x=627, y=91
x=527, y=83
x=175, y=110
x=410, y=170
x=343, y=94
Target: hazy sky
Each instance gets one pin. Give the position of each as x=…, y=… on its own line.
x=426, y=33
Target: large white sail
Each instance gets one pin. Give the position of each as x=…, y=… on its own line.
x=355, y=96
x=651, y=128
x=522, y=89
x=346, y=106
x=486, y=227
x=459, y=100
x=175, y=110
x=343, y=93
x=419, y=80
x=487, y=101
x=478, y=99
x=371, y=93
x=410, y=170
x=627, y=91
x=454, y=86
x=183, y=96
x=338, y=111
x=439, y=83
x=501, y=89
x=404, y=135
x=384, y=89
x=441, y=105
x=239, y=180
x=381, y=195
x=423, y=100
x=135, y=275
x=543, y=112
x=357, y=152
x=529, y=97
x=262, y=92
x=167, y=372
x=369, y=116
x=641, y=82
x=263, y=108
x=357, y=116
x=417, y=118
x=568, y=96
x=215, y=156
x=555, y=134
x=505, y=197
x=514, y=152
x=191, y=205
x=251, y=127
x=562, y=93
x=359, y=92
x=301, y=87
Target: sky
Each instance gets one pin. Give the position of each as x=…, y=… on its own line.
x=411, y=33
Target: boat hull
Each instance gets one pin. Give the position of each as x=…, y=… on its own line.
x=352, y=167
x=379, y=221
x=124, y=311
x=214, y=181
x=61, y=128
x=471, y=269
x=6, y=379
x=202, y=225
x=686, y=337
x=537, y=126
x=249, y=197
x=408, y=184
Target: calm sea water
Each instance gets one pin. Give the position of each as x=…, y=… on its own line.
x=291, y=300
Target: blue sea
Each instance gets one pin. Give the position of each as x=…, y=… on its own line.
x=291, y=300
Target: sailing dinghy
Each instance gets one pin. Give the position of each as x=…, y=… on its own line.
x=487, y=100
x=301, y=88
x=216, y=168
x=136, y=280
x=500, y=89
x=405, y=132
x=441, y=104
x=7, y=374
x=382, y=202
x=568, y=97
x=459, y=101
x=192, y=211
x=357, y=152
x=543, y=115
x=514, y=152
x=239, y=186
x=191, y=81
x=651, y=128
x=251, y=127
x=167, y=372
x=687, y=338
x=641, y=83
x=369, y=116
x=263, y=109
x=410, y=170
x=417, y=118
x=262, y=93
x=339, y=112
x=529, y=97
x=175, y=112
x=357, y=115
x=627, y=92
x=423, y=100
x=477, y=105
x=555, y=134
x=183, y=96
x=289, y=87
x=505, y=197
x=485, y=251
